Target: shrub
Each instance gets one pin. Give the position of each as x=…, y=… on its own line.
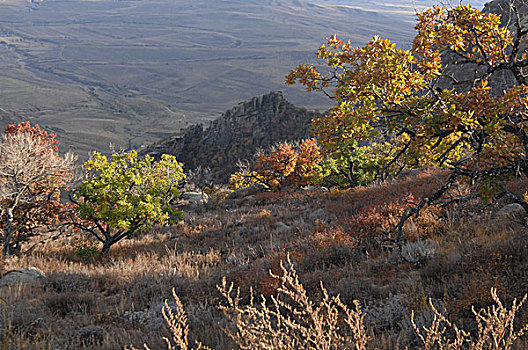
x=291, y=320
x=85, y=249
x=353, y=165
x=288, y=320
x=127, y=195
x=32, y=174
x=284, y=165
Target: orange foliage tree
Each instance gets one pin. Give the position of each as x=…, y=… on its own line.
x=32, y=173
x=286, y=164
x=429, y=114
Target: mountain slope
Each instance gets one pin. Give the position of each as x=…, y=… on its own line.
x=237, y=134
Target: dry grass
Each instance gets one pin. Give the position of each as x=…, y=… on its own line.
x=290, y=319
x=495, y=328
x=88, y=302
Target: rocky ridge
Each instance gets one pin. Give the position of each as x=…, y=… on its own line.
x=237, y=134
x=461, y=75
x=503, y=8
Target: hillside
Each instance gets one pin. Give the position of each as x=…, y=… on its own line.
x=237, y=134
x=450, y=256
x=402, y=227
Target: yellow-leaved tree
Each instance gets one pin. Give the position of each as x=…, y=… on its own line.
x=412, y=109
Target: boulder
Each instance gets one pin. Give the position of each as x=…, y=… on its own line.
x=195, y=197
x=419, y=251
x=310, y=189
x=511, y=211
x=23, y=276
x=282, y=227
x=248, y=191
x=152, y=317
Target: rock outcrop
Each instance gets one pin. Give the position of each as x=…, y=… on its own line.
x=503, y=8
x=465, y=73
x=195, y=198
x=237, y=134
x=32, y=275
x=511, y=211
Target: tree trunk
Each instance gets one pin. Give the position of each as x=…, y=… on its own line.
x=7, y=230
x=9, y=222
x=106, y=246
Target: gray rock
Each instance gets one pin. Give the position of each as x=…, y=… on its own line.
x=152, y=317
x=282, y=227
x=315, y=189
x=23, y=276
x=419, y=251
x=93, y=335
x=195, y=197
x=245, y=200
x=511, y=211
x=248, y=191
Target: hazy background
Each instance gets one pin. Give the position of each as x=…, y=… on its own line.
x=130, y=72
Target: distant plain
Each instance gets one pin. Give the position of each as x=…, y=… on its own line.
x=127, y=73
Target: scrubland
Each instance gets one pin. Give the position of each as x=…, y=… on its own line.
x=452, y=255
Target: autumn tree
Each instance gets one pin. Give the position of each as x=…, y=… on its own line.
x=286, y=164
x=127, y=195
x=418, y=102
x=32, y=173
